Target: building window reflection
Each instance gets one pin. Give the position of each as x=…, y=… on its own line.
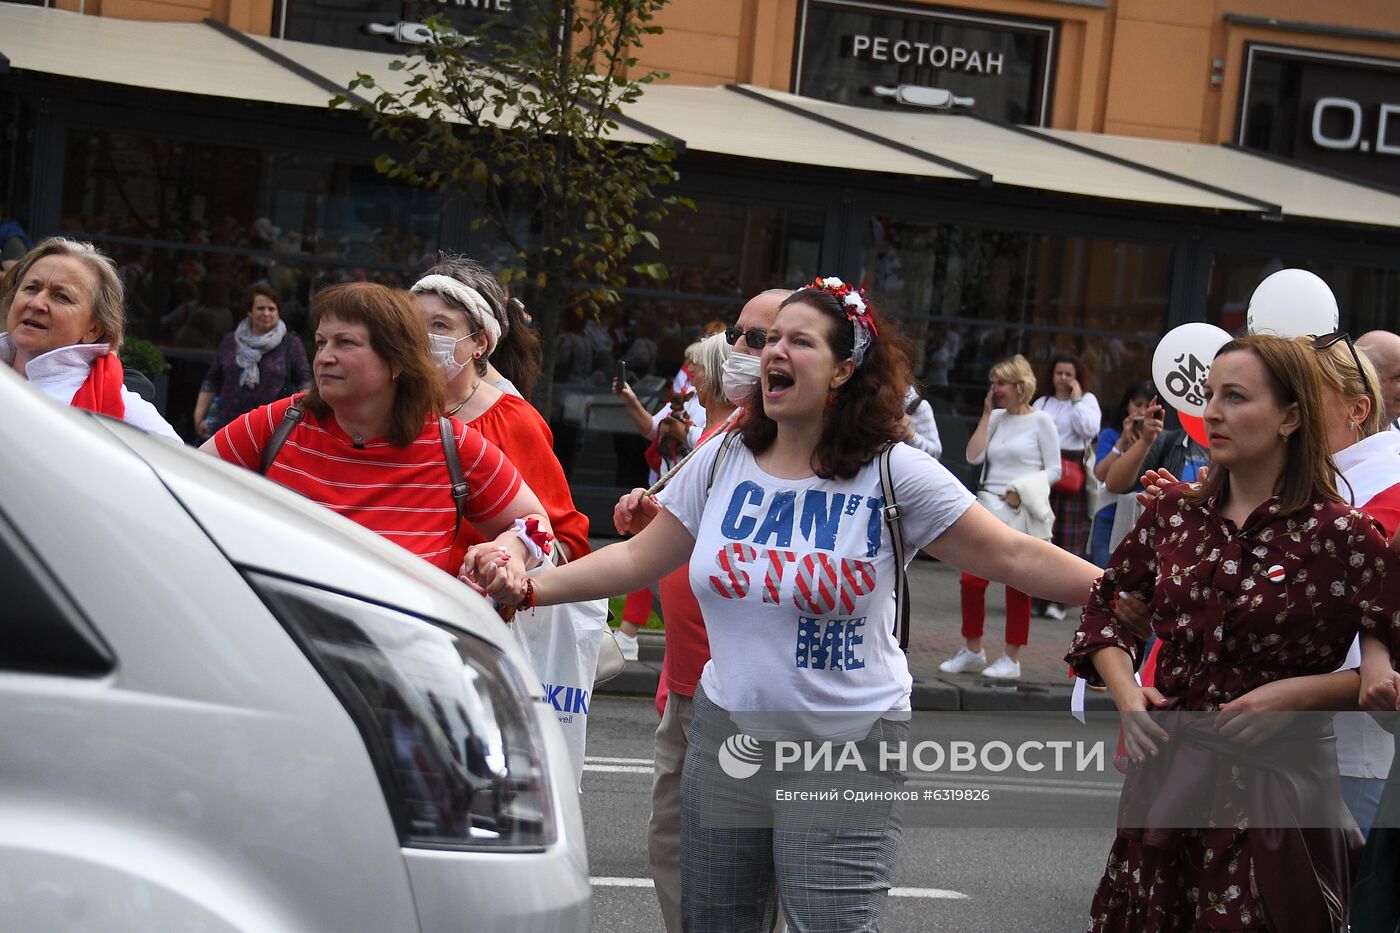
x=970, y=296
x=192, y=225
x=1366, y=295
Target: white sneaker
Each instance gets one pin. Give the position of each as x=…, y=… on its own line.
x=1003, y=668
x=628, y=644
x=963, y=660
x=1054, y=611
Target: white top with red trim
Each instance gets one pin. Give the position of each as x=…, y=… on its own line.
x=401, y=493
x=796, y=582
x=60, y=373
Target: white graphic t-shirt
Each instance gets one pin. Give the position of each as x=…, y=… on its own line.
x=796, y=580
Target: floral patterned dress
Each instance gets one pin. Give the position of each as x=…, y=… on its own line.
x=1235, y=608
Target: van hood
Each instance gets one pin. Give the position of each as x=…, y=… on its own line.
x=260, y=525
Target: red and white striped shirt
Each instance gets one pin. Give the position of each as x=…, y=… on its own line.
x=401, y=493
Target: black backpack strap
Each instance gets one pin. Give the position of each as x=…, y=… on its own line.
x=461, y=491
x=901, y=592
x=724, y=445
x=290, y=419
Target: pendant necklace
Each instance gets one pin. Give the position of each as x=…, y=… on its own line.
x=456, y=408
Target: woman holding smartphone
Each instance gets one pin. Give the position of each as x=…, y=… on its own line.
x=1131, y=413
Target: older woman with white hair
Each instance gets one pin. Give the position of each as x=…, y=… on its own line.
x=64, y=321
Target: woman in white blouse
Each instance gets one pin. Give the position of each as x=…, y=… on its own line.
x=1019, y=453
x=1076, y=414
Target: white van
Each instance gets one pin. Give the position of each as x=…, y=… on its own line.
x=225, y=708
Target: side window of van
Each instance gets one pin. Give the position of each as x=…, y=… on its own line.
x=41, y=629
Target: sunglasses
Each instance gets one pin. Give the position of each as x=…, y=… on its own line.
x=754, y=337
x=1326, y=341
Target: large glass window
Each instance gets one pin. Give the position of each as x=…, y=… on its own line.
x=971, y=296
x=192, y=225
x=1366, y=295
x=718, y=256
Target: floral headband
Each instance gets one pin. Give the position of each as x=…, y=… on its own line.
x=857, y=312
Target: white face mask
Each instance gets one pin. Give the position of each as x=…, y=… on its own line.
x=444, y=350
x=741, y=375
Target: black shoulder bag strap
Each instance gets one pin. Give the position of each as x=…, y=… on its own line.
x=461, y=492
x=901, y=591
x=290, y=419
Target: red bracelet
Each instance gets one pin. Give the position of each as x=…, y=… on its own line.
x=529, y=601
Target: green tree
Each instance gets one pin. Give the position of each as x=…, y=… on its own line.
x=523, y=117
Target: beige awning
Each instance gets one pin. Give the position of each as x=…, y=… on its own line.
x=189, y=58
x=1298, y=191
x=1009, y=157
x=745, y=122
x=717, y=120
x=195, y=58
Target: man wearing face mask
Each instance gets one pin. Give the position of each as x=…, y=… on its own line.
x=687, y=648
x=464, y=324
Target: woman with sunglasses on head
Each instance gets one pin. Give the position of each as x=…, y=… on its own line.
x=1368, y=459
x=793, y=559
x=1257, y=579
x=465, y=313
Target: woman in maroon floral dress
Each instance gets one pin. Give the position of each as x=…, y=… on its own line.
x=1258, y=575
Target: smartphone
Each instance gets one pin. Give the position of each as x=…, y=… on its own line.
x=620, y=377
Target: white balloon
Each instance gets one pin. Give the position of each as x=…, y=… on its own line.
x=1292, y=303
x=1181, y=363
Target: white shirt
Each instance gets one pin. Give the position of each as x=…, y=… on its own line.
x=1077, y=423
x=925, y=428
x=1018, y=445
x=796, y=582
x=60, y=373
x=1368, y=467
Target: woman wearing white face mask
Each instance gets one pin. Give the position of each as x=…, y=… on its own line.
x=464, y=325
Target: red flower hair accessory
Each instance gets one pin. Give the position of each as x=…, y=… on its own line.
x=857, y=312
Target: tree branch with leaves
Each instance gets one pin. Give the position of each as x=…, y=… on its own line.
x=524, y=118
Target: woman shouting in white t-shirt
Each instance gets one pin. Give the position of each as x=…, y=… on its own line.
x=794, y=567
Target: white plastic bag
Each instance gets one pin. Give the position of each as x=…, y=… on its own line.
x=562, y=643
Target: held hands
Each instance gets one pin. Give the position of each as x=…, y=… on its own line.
x=1133, y=614
x=1380, y=688
x=1257, y=716
x=1140, y=734
x=634, y=512
x=496, y=569
x=1156, y=482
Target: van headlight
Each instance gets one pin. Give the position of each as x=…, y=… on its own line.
x=447, y=720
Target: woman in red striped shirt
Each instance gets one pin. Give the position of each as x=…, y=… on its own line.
x=370, y=447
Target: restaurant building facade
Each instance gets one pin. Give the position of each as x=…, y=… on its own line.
x=1091, y=172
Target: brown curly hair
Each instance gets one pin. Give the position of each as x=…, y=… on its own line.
x=868, y=410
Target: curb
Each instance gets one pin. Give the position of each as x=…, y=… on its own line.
x=640, y=678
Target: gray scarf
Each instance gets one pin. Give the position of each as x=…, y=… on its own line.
x=251, y=348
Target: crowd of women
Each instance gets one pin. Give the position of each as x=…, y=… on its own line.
x=782, y=540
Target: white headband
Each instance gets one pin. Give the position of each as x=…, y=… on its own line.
x=477, y=307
